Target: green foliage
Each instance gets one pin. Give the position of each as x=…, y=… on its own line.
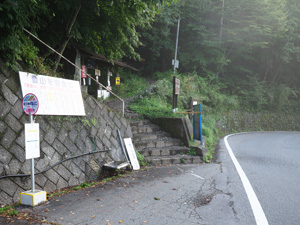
x=152, y=106
x=14, y=44
x=256, y=39
x=84, y=185
x=86, y=122
x=192, y=152
x=156, y=102
x=141, y=159
x=9, y=210
x=13, y=213
x=94, y=121
x=257, y=95
x=208, y=157
x=130, y=85
x=149, y=105
x=107, y=27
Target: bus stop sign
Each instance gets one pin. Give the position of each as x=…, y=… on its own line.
x=30, y=104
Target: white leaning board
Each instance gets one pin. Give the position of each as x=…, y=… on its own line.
x=131, y=153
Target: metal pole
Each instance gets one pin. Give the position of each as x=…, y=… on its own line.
x=175, y=59
x=194, y=124
x=200, y=117
x=123, y=111
x=32, y=161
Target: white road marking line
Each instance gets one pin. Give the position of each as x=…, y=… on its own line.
x=258, y=212
x=197, y=176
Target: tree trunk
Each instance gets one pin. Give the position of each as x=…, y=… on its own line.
x=67, y=35
x=221, y=23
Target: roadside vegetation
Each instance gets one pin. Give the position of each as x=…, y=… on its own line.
x=155, y=100
x=234, y=55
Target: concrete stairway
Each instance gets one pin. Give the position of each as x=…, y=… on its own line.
x=157, y=146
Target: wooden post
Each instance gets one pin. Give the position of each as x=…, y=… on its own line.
x=175, y=93
x=191, y=108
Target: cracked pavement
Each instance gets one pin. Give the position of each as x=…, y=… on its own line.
x=177, y=194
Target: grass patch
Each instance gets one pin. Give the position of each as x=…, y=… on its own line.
x=89, y=184
x=192, y=152
x=9, y=210
x=152, y=107
x=141, y=159
x=131, y=85
x=156, y=102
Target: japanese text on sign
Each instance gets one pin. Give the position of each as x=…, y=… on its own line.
x=32, y=140
x=30, y=104
x=83, y=72
x=56, y=96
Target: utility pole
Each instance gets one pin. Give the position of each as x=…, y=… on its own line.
x=175, y=63
x=221, y=27
x=176, y=82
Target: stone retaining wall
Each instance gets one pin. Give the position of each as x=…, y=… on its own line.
x=180, y=128
x=237, y=121
x=60, y=138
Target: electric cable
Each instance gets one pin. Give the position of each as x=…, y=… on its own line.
x=45, y=170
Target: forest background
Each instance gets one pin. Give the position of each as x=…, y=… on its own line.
x=233, y=54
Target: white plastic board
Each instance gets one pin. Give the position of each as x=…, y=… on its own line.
x=56, y=96
x=32, y=140
x=131, y=153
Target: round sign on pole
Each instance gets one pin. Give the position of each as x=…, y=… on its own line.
x=30, y=104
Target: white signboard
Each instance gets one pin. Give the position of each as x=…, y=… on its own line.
x=131, y=153
x=32, y=140
x=56, y=96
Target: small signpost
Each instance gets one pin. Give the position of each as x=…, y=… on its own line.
x=83, y=74
x=197, y=123
x=117, y=80
x=177, y=86
x=32, y=140
x=57, y=96
x=30, y=105
x=97, y=72
x=176, y=90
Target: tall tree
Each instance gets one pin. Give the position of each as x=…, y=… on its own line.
x=108, y=27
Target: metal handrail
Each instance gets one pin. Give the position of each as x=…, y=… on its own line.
x=73, y=64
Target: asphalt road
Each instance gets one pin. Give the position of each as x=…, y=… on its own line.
x=168, y=195
x=205, y=194
x=271, y=161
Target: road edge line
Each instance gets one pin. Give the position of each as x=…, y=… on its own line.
x=257, y=210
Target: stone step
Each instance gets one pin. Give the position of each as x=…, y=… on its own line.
x=144, y=129
x=139, y=123
x=154, y=136
x=164, y=142
x=176, y=159
x=172, y=150
x=133, y=116
x=144, y=137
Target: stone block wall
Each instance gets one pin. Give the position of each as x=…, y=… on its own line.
x=238, y=121
x=180, y=128
x=61, y=137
